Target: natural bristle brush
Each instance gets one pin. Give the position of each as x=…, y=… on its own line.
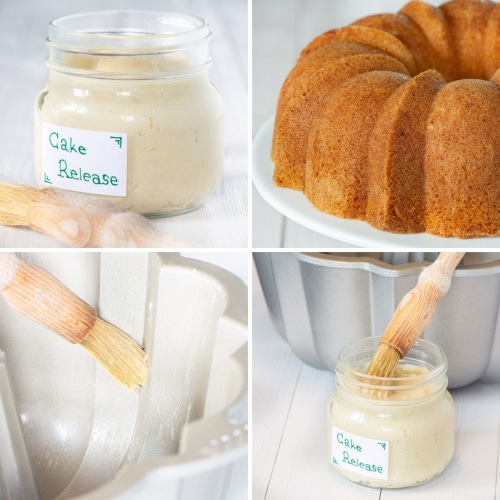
x=78, y=220
x=37, y=294
x=413, y=314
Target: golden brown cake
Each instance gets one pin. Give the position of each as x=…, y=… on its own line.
x=395, y=120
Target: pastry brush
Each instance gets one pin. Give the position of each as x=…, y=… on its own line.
x=413, y=314
x=37, y=294
x=78, y=220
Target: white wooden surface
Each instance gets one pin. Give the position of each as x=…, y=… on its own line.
x=222, y=221
x=281, y=28
x=290, y=462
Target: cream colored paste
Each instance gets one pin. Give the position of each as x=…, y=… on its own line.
x=174, y=126
x=418, y=425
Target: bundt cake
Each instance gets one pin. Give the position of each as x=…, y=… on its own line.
x=395, y=120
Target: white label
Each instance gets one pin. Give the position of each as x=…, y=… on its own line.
x=84, y=160
x=362, y=455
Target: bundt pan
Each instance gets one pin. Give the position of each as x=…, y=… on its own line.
x=182, y=436
x=319, y=302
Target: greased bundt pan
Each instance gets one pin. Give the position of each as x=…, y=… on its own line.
x=319, y=302
x=393, y=120
x=181, y=437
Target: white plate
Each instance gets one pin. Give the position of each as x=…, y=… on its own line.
x=294, y=205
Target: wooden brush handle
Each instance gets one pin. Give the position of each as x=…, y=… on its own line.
x=70, y=218
x=418, y=306
x=36, y=294
x=81, y=221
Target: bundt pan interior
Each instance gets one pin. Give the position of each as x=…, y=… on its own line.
x=180, y=437
x=319, y=302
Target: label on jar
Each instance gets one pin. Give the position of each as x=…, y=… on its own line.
x=359, y=454
x=87, y=161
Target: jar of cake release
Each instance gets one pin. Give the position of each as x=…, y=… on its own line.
x=391, y=433
x=129, y=111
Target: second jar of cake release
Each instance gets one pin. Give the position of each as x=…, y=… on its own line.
x=391, y=432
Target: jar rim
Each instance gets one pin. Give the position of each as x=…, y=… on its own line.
x=354, y=357
x=130, y=31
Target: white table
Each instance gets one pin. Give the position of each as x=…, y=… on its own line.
x=289, y=431
x=222, y=222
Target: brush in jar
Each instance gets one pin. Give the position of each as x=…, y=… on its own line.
x=413, y=314
x=78, y=220
x=37, y=294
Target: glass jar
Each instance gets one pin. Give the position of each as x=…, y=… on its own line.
x=394, y=432
x=129, y=111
